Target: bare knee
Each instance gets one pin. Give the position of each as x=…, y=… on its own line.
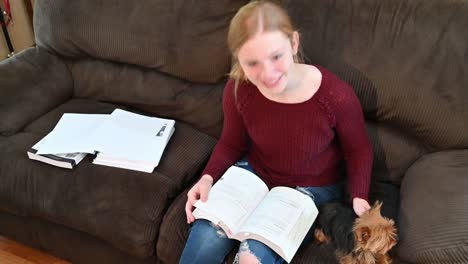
x=248, y=258
x=245, y=256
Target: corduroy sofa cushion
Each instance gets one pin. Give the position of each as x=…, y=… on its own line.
x=37, y=76
x=150, y=91
x=433, y=212
x=394, y=151
x=122, y=207
x=186, y=39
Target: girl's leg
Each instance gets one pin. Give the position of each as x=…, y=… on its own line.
x=323, y=194
x=253, y=251
x=206, y=244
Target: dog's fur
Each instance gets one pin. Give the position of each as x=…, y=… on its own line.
x=358, y=240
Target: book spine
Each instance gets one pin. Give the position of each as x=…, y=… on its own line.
x=53, y=157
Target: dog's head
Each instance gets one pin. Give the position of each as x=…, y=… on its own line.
x=373, y=232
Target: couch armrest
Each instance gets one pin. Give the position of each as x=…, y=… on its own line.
x=32, y=83
x=433, y=225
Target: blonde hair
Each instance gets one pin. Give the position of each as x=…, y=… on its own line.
x=255, y=17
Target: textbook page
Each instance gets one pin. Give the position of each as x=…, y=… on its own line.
x=281, y=221
x=232, y=199
x=72, y=134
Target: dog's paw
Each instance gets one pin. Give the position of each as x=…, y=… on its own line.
x=320, y=237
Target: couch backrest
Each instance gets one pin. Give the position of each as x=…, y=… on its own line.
x=407, y=61
x=183, y=38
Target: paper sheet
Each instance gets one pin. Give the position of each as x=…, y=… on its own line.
x=72, y=133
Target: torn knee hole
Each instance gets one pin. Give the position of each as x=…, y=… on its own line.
x=220, y=232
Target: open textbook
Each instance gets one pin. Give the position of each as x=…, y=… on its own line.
x=241, y=204
x=122, y=139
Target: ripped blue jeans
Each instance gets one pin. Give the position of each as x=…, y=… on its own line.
x=208, y=243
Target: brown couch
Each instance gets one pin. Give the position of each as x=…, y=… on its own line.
x=407, y=61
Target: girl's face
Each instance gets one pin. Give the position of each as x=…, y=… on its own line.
x=267, y=60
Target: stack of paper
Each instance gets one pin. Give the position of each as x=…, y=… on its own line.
x=68, y=143
x=121, y=139
x=131, y=141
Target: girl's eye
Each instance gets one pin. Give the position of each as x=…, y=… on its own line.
x=277, y=57
x=252, y=63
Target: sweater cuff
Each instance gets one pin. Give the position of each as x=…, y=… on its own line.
x=360, y=194
x=215, y=174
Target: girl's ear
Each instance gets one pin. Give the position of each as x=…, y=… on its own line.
x=295, y=42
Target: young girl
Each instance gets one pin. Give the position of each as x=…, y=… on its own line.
x=289, y=123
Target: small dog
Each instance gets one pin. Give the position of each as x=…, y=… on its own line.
x=358, y=240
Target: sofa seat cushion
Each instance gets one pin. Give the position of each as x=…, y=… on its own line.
x=433, y=212
x=120, y=206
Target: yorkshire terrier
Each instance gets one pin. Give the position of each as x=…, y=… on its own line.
x=358, y=240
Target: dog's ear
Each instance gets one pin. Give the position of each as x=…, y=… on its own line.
x=375, y=209
x=377, y=206
x=363, y=234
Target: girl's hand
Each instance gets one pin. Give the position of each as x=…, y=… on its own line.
x=360, y=206
x=198, y=191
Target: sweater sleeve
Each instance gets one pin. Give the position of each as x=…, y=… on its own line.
x=354, y=141
x=232, y=144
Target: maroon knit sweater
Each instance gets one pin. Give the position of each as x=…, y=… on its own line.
x=299, y=144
